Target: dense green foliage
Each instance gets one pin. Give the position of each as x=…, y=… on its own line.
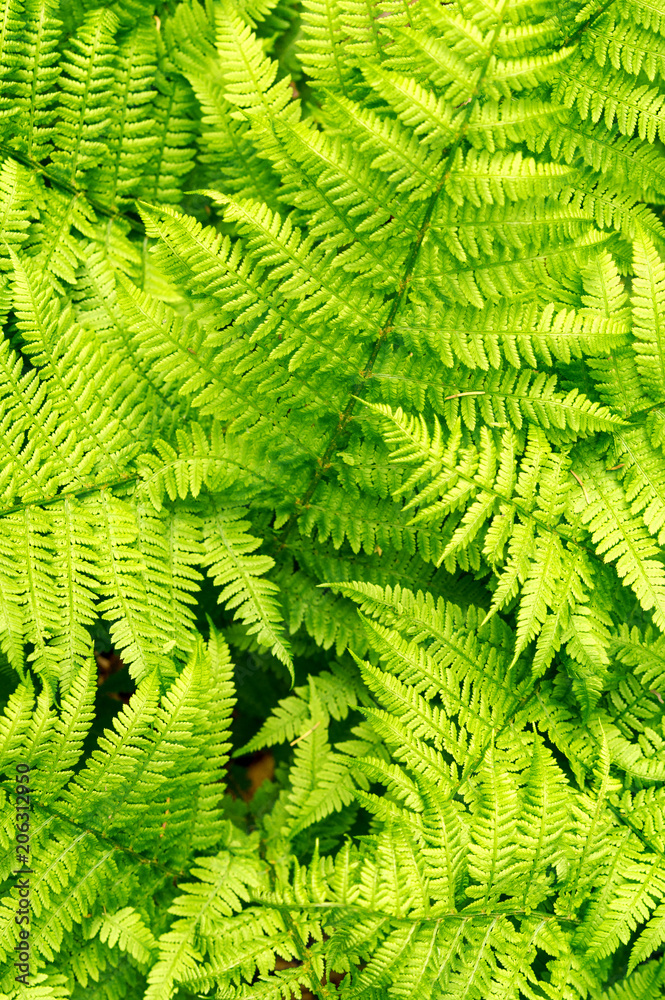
x=332, y=389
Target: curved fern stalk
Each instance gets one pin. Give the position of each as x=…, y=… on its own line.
x=349, y=204
x=212, y=265
x=302, y=267
x=56, y=238
x=180, y=353
x=137, y=393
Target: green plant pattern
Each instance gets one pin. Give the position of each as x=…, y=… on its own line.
x=332, y=382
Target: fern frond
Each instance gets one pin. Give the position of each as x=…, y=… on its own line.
x=31, y=56
x=131, y=133
x=172, y=157
x=251, y=84
x=614, y=97
x=621, y=537
x=122, y=570
x=495, y=400
x=319, y=779
x=338, y=691
x=647, y=301
x=626, y=46
x=14, y=722
x=221, y=886
x=51, y=341
x=87, y=78
x=227, y=546
x=127, y=929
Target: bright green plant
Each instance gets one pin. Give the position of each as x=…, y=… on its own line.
x=332, y=387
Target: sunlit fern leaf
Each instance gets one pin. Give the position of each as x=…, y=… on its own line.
x=30, y=70
x=227, y=546
x=127, y=929
x=170, y=542
x=645, y=652
x=621, y=537
x=64, y=748
x=171, y=160
x=123, y=586
x=221, y=885
x=495, y=400
x=224, y=146
x=644, y=12
x=17, y=195
x=613, y=96
x=321, y=46
x=625, y=45
x=75, y=544
x=14, y=722
x=451, y=208
x=319, y=779
x=52, y=340
x=338, y=692
x=132, y=132
x=86, y=81
x=251, y=86
x=648, y=303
